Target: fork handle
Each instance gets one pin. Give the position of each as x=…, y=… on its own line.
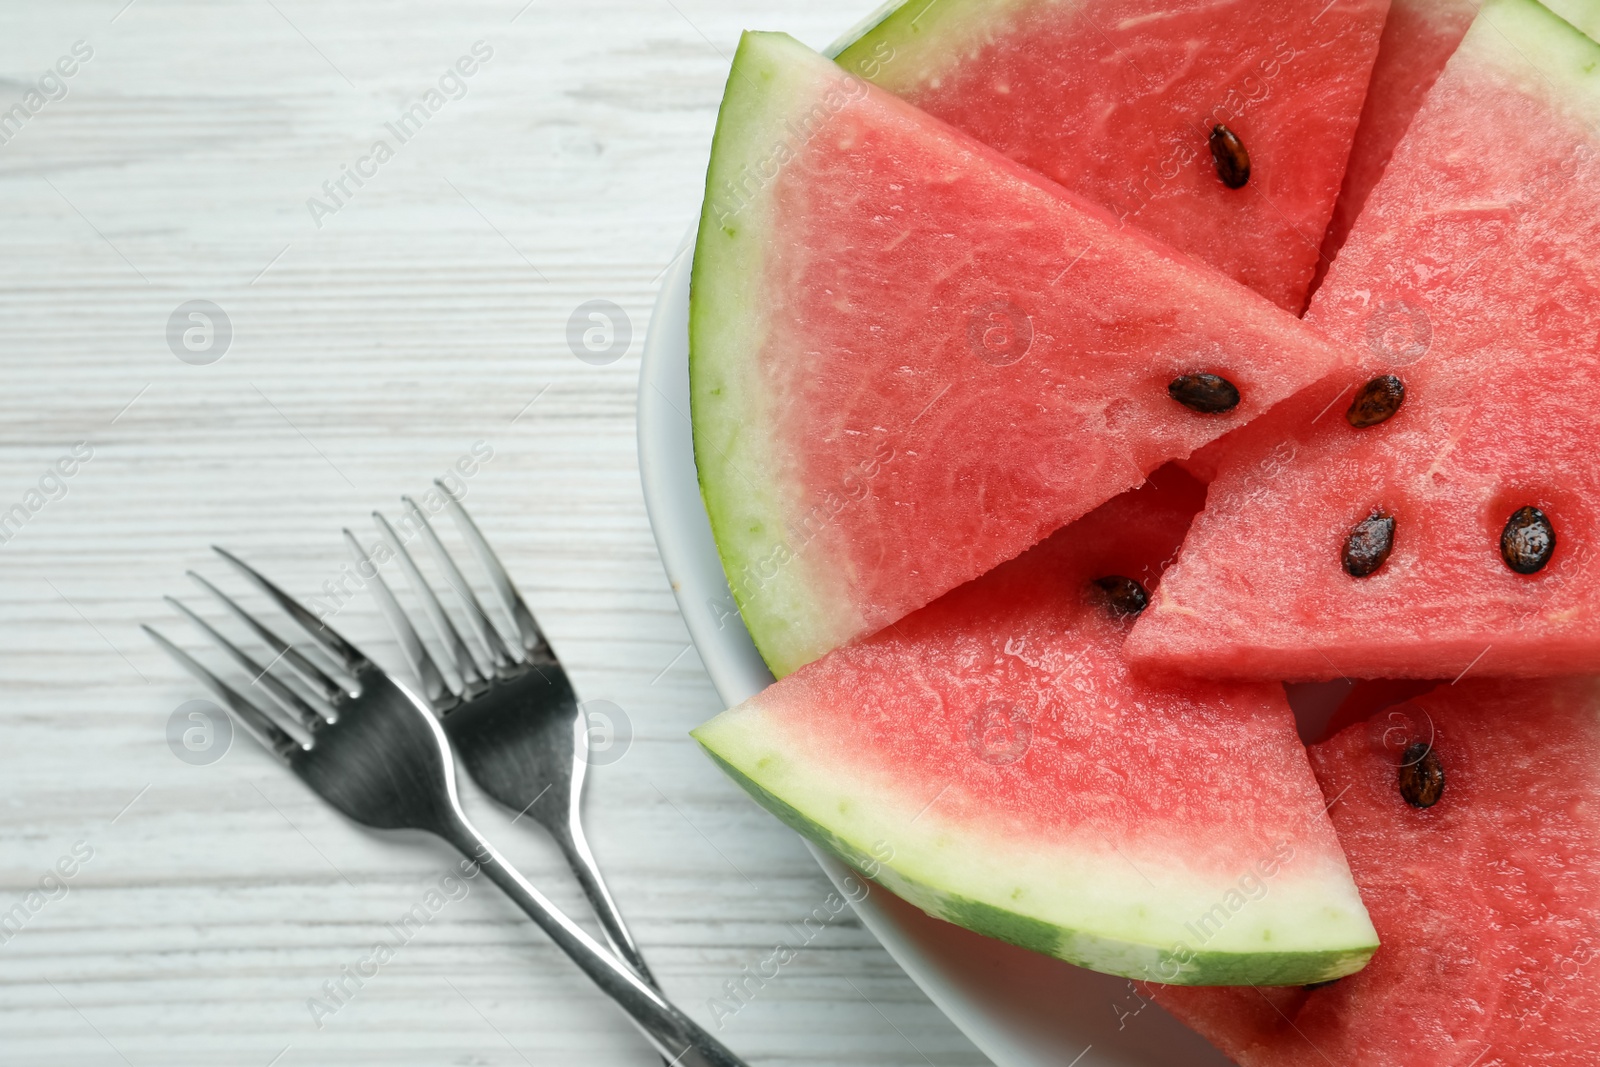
x=575, y=846
x=585, y=868
x=678, y=1038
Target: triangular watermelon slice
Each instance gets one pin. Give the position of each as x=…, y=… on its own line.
x=1485, y=900
x=1117, y=100
x=1473, y=280
x=911, y=358
x=1418, y=39
x=990, y=759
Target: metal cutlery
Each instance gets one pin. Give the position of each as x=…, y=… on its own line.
x=377, y=753
x=515, y=722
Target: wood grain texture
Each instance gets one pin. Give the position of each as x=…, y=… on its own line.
x=367, y=355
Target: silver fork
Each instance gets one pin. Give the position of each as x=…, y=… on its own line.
x=377, y=753
x=515, y=723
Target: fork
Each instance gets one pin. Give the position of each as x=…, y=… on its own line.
x=516, y=723
x=382, y=758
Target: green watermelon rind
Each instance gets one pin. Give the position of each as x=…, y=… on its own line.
x=981, y=918
x=1554, y=56
x=863, y=28
x=731, y=742
x=906, y=43
x=800, y=608
x=1583, y=15
x=1551, y=48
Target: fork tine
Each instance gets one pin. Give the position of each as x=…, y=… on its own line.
x=416, y=653
x=341, y=650
x=303, y=713
x=533, y=639
x=309, y=672
x=272, y=736
x=466, y=664
x=499, y=654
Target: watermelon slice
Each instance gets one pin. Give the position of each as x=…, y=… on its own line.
x=1117, y=100
x=990, y=759
x=1472, y=277
x=911, y=358
x=1418, y=39
x=1485, y=900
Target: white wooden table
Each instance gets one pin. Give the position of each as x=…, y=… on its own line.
x=427, y=312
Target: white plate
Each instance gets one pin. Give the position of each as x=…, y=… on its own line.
x=1020, y=1008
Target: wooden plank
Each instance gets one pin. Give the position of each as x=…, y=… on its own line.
x=367, y=355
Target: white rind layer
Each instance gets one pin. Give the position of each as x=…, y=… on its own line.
x=789, y=603
x=1550, y=49
x=1129, y=908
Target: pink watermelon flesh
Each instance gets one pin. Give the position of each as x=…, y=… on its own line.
x=1116, y=100
x=912, y=358
x=1418, y=39
x=1472, y=275
x=1485, y=901
x=991, y=759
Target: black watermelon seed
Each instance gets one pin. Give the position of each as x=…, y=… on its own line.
x=1421, y=776
x=1126, y=596
x=1369, y=544
x=1319, y=985
x=1233, y=162
x=1376, y=401
x=1209, y=394
x=1528, y=541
